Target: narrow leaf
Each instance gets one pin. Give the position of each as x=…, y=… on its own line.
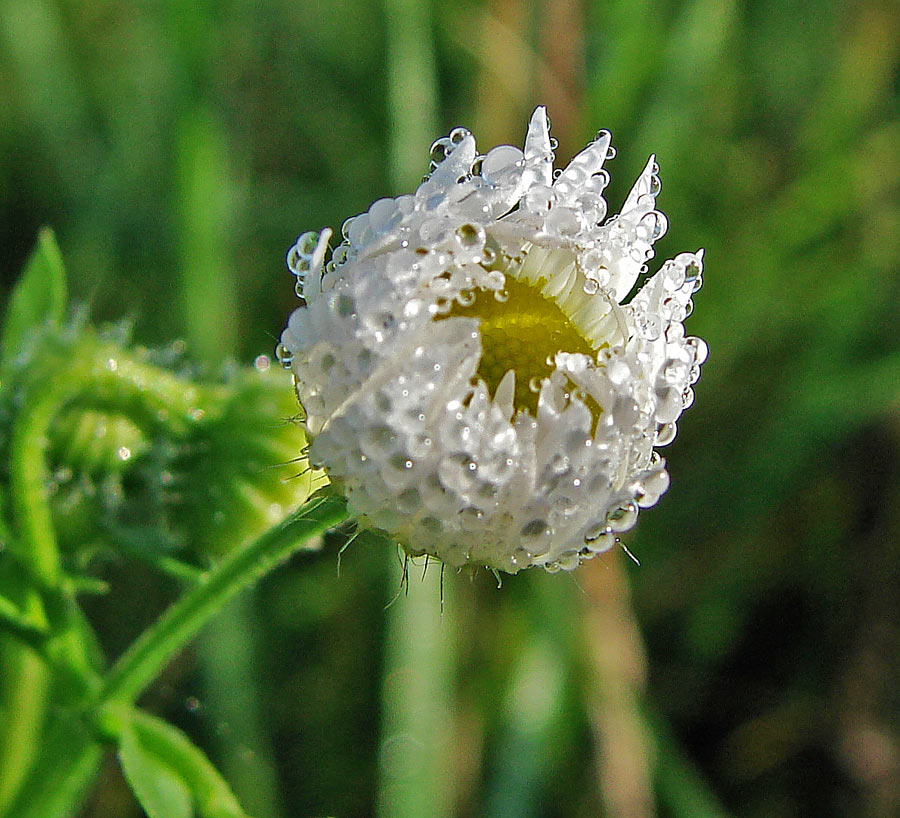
x=39, y=298
x=207, y=791
x=158, y=788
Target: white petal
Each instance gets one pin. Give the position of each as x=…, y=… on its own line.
x=642, y=187
x=397, y=408
x=312, y=281
x=457, y=164
x=506, y=390
x=585, y=164
x=538, y=150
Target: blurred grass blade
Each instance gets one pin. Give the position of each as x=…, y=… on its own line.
x=420, y=658
x=38, y=298
x=37, y=44
x=680, y=786
x=412, y=89
x=209, y=302
x=700, y=35
x=205, y=195
x=232, y=691
x=417, y=692
x=528, y=747
x=171, y=777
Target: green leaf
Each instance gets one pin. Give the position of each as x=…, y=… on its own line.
x=159, y=789
x=170, y=775
x=38, y=298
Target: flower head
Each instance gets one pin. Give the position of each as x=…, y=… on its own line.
x=473, y=375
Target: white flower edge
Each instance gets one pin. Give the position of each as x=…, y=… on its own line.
x=394, y=408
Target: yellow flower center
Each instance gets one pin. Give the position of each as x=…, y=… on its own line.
x=521, y=332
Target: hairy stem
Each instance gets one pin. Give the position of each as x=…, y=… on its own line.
x=96, y=372
x=241, y=568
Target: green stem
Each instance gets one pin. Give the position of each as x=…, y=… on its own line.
x=20, y=624
x=241, y=568
x=74, y=762
x=99, y=373
x=22, y=706
x=94, y=370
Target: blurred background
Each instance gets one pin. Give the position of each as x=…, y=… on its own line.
x=750, y=666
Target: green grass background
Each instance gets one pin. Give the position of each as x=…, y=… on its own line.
x=178, y=148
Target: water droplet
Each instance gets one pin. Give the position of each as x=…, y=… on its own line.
x=408, y=501
x=539, y=198
x=470, y=235
x=261, y=363
x=622, y=518
x=284, y=355
x=653, y=225
x=344, y=305
x=535, y=528
x=598, y=538
x=457, y=135
x=569, y=560
x=378, y=440
x=500, y=162
x=307, y=243
x=439, y=150
x=431, y=525
x=470, y=516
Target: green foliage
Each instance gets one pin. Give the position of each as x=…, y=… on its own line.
x=86, y=420
x=38, y=301
x=169, y=775
x=158, y=787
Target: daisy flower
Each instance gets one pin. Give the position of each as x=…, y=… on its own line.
x=476, y=376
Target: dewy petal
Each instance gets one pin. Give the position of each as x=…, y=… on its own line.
x=471, y=374
x=584, y=165
x=457, y=164
x=538, y=148
x=642, y=187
